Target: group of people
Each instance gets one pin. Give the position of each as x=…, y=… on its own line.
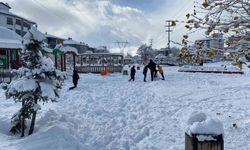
x=153, y=71
x=151, y=66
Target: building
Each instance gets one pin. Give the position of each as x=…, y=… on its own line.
x=80, y=46
x=52, y=40
x=101, y=49
x=239, y=46
x=215, y=42
x=10, y=46
x=14, y=22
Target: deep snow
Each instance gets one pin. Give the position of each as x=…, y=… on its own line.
x=105, y=113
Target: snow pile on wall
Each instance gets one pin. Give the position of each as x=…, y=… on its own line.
x=210, y=68
x=203, y=126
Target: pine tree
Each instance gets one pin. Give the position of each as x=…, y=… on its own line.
x=37, y=81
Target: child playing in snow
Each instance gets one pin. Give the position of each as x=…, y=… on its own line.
x=132, y=74
x=75, y=78
x=160, y=70
x=145, y=70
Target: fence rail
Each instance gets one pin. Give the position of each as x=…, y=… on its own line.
x=98, y=69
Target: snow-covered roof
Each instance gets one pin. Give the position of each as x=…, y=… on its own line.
x=160, y=56
x=88, y=52
x=68, y=49
x=72, y=42
x=9, y=39
x=127, y=58
x=5, y=4
x=52, y=36
x=104, y=54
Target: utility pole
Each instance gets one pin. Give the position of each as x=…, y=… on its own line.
x=122, y=45
x=168, y=25
x=151, y=43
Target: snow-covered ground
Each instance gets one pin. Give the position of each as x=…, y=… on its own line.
x=110, y=113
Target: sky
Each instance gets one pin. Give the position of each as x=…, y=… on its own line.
x=104, y=22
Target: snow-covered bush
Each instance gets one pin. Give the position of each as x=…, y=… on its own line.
x=36, y=81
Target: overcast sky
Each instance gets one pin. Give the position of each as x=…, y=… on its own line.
x=103, y=22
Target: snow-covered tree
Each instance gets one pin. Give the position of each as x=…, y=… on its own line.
x=37, y=81
x=228, y=16
x=146, y=52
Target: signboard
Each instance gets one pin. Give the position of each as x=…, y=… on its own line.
x=57, y=52
x=3, y=61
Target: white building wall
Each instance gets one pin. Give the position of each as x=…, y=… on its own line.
x=14, y=27
x=3, y=20
x=3, y=8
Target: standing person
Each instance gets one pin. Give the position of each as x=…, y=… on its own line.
x=152, y=67
x=132, y=74
x=75, y=78
x=160, y=70
x=145, y=70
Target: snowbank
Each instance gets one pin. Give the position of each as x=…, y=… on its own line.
x=210, y=68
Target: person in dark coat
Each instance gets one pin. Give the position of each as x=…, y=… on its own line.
x=145, y=70
x=75, y=78
x=132, y=73
x=152, y=67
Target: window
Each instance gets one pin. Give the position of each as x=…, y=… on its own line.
x=9, y=21
x=25, y=24
x=18, y=32
x=24, y=33
x=18, y=22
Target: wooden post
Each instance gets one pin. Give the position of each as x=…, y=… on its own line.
x=74, y=60
x=208, y=142
x=81, y=61
x=56, y=61
x=61, y=63
x=64, y=62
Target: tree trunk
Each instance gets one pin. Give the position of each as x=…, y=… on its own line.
x=33, y=120
x=22, y=120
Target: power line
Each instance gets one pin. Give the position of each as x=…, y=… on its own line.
x=168, y=25
x=122, y=45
